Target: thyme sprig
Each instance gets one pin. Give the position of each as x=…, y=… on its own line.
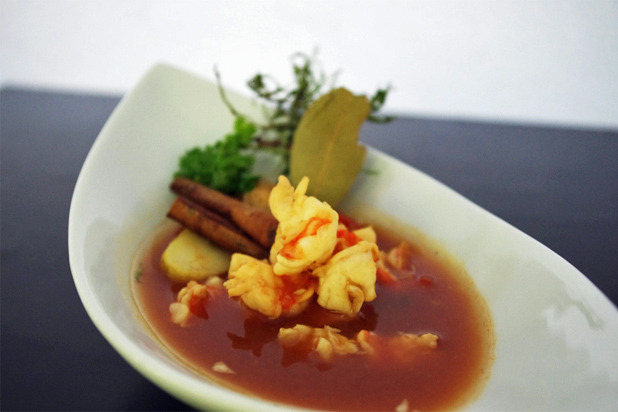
x=284, y=106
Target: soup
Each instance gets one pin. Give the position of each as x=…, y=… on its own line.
x=239, y=347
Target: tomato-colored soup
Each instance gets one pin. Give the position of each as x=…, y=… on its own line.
x=432, y=295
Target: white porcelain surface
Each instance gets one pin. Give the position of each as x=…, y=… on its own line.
x=557, y=334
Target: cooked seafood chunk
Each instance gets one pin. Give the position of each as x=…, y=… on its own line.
x=221, y=367
x=326, y=341
x=307, y=230
x=348, y=279
x=399, y=257
x=406, y=343
x=311, y=250
x=190, y=299
x=367, y=234
x=347, y=238
x=255, y=283
x=260, y=289
x=406, y=347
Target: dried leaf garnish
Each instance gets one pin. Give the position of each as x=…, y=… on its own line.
x=326, y=147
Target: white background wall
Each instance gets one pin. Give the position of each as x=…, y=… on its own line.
x=545, y=61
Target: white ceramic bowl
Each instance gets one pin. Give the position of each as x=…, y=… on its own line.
x=556, y=333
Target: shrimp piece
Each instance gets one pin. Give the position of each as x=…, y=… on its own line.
x=405, y=347
x=365, y=340
x=307, y=230
x=255, y=283
x=384, y=275
x=190, y=299
x=347, y=238
x=406, y=342
x=260, y=289
x=326, y=341
x=367, y=234
x=400, y=257
x=348, y=279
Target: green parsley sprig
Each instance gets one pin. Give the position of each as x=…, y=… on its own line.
x=225, y=165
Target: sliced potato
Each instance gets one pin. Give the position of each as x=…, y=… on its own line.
x=192, y=257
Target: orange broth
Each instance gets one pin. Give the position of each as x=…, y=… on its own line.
x=437, y=297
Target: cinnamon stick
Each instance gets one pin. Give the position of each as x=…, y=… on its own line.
x=258, y=224
x=214, y=227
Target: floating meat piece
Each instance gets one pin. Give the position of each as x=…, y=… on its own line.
x=307, y=230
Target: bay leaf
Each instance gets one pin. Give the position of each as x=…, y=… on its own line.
x=325, y=146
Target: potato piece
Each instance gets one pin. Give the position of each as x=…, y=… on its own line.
x=192, y=257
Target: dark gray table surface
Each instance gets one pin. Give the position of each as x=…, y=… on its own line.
x=559, y=185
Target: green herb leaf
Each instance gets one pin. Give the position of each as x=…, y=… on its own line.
x=225, y=165
x=138, y=274
x=326, y=145
x=377, y=101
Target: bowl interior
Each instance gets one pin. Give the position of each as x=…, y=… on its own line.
x=551, y=323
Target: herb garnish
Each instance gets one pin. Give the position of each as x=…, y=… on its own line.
x=138, y=274
x=224, y=165
x=227, y=164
